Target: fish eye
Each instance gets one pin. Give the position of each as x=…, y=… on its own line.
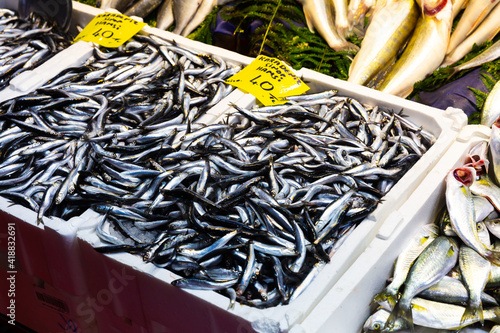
x=376, y=326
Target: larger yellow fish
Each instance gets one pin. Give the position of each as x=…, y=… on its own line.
x=319, y=17
x=484, y=32
x=184, y=10
x=341, y=21
x=405, y=260
x=473, y=15
x=425, y=50
x=165, y=15
x=435, y=261
x=391, y=25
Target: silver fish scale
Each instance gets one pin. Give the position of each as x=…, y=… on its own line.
x=274, y=184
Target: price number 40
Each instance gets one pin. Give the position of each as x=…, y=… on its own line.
x=105, y=34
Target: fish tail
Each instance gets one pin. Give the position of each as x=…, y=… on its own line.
x=39, y=219
x=350, y=47
x=493, y=257
x=402, y=312
x=385, y=296
x=449, y=71
x=472, y=313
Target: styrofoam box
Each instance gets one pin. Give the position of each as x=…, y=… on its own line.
x=49, y=252
x=445, y=125
x=109, y=322
x=347, y=305
x=181, y=303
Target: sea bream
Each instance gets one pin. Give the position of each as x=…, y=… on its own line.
x=405, y=260
x=431, y=314
x=475, y=272
x=435, y=261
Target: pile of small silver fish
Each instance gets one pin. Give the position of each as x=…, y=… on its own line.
x=128, y=99
x=253, y=208
x=26, y=43
x=447, y=276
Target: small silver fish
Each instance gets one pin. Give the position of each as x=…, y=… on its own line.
x=435, y=261
x=404, y=262
x=461, y=209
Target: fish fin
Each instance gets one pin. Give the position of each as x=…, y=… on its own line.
x=386, y=296
x=471, y=313
x=402, y=311
x=406, y=92
x=309, y=20
x=496, y=319
x=39, y=219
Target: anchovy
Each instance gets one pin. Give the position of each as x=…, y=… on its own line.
x=192, y=197
x=25, y=44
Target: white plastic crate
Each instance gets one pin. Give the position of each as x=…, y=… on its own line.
x=444, y=125
x=347, y=305
x=142, y=297
x=49, y=251
x=112, y=281
x=109, y=322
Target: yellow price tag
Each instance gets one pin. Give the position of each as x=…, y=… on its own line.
x=269, y=80
x=110, y=30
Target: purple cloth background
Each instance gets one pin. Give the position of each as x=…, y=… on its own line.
x=456, y=93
